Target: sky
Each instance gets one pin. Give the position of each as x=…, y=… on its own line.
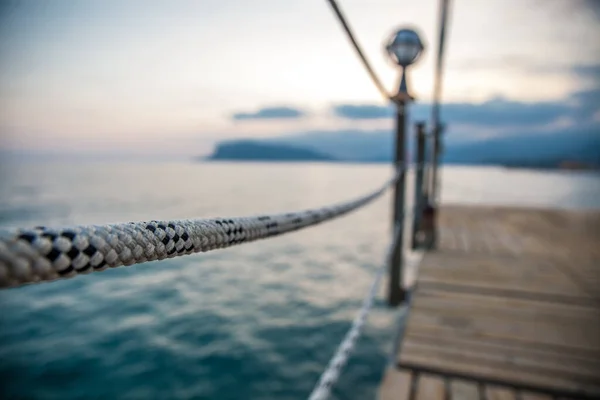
x=154, y=77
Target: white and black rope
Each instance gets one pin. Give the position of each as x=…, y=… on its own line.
x=332, y=373
x=45, y=254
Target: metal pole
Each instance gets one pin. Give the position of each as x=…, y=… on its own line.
x=444, y=7
x=433, y=179
x=435, y=116
x=396, y=292
x=428, y=169
x=435, y=184
x=419, y=171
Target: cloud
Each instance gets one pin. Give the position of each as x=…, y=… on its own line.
x=582, y=71
x=586, y=104
x=587, y=73
x=269, y=113
x=500, y=112
x=592, y=71
x=497, y=113
x=530, y=65
x=512, y=61
x=363, y=111
x=592, y=6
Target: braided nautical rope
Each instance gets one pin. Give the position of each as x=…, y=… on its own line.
x=45, y=254
x=332, y=373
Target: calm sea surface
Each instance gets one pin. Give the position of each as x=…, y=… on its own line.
x=257, y=321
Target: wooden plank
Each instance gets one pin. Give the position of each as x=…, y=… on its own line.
x=534, y=396
x=587, y=277
x=490, y=303
x=469, y=366
x=489, y=242
x=577, y=299
x=430, y=387
x=463, y=390
x=543, y=231
x=571, y=325
x=499, y=393
x=526, y=274
x=470, y=239
x=396, y=385
x=545, y=332
x=446, y=239
x=531, y=365
x=502, y=265
x=516, y=343
x=501, y=289
x=490, y=329
x=563, y=361
x=513, y=246
x=511, y=296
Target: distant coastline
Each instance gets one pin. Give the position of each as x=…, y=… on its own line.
x=247, y=150
x=273, y=151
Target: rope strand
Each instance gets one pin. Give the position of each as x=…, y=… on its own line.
x=44, y=254
x=332, y=373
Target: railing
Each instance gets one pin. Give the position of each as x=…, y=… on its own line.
x=44, y=254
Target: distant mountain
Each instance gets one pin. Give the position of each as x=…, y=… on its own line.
x=247, y=150
x=355, y=145
x=533, y=150
x=544, y=151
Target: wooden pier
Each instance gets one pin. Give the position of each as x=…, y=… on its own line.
x=507, y=307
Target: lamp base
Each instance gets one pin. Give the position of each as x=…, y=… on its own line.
x=402, y=97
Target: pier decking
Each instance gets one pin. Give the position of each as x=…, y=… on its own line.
x=507, y=307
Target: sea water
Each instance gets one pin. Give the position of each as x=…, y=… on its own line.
x=256, y=321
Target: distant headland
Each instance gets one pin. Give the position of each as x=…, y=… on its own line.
x=526, y=151
x=247, y=150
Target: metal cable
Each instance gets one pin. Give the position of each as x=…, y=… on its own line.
x=437, y=94
x=46, y=254
x=359, y=51
x=332, y=373
x=437, y=83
